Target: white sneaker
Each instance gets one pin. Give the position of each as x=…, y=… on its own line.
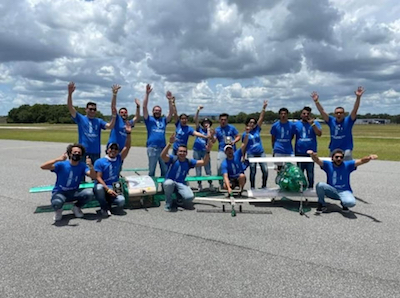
x=77, y=211
x=58, y=215
x=211, y=188
x=200, y=187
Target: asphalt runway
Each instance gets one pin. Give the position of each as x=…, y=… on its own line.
x=152, y=253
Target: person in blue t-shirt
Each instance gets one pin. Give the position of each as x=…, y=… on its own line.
x=156, y=126
x=282, y=133
x=338, y=179
x=255, y=147
x=225, y=134
x=89, y=127
x=307, y=131
x=118, y=133
x=199, y=146
x=107, y=173
x=178, y=168
x=340, y=126
x=233, y=167
x=69, y=175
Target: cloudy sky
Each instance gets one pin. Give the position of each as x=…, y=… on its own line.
x=228, y=55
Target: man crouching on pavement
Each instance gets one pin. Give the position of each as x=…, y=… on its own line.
x=70, y=173
x=338, y=179
x=178, y=168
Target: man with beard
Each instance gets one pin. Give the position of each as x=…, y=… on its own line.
x=89, y=127
x=69, y=175
x=107, y=173
x=340, y=125
x=338, y=179
x=156, y=126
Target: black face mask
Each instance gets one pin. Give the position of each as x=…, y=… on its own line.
x=76, y=157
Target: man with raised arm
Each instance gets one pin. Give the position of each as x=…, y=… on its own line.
x=226, y=134
x=178, y=168
x=156, y=126
x=199, y=146
x=340, y=126
x=107, y=173
x=69, y=175
x=89, y=127
x=282, y=133
x=307, y=130
x=255, y=147
x=338, y=179
x=233, y=167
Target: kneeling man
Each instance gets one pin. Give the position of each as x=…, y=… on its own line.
x=178, y=168
x=107, y=171
x=69, y=175
x=338, y=179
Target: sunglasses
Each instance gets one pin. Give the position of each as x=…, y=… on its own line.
x=338, y=157
x=92, y=109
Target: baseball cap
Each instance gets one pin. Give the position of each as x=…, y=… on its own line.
x=228, y=146
x=206, y=120
x=112, y=145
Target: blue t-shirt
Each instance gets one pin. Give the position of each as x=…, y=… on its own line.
x=341, y=136
x=109, y=169
x=306, y=139
x=182, y=134
x=178, y=170
x=156, y=131
x=233, y=167
x=283, y=133
x=222, y=132
x=68, y=176
x=118, y=133
x=89, y=131
x=339, y=177
x=254, y=144
x=200, y=143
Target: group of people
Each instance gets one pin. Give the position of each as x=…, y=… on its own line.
x=83, y=158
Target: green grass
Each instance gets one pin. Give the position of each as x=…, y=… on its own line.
x=383, y=140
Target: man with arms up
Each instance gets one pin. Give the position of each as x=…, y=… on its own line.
x=232, y=168
x=338, y=179
x=340, y=126
x=69, y=175
x=156, y=126
x=178, y=168
x=107, y=172
x=89, y=127
x=307, y=131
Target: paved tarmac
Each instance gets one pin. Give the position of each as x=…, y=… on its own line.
x=151, y=253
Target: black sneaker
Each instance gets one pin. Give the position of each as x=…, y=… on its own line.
x=345, y=210
x=321, y=208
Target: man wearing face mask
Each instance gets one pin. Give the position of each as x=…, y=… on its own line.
x=69, y=175
x=89, y=127
x=107, y=172
x=338, y=179
x=156, y=126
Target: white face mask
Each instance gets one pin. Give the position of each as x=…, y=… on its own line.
x=110, y=159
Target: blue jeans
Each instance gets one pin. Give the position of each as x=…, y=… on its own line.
x=171, y=186
x=220, y=158
x=198, y=155
x=309, y=168
x=253, y=170
x=154, y=155
x=102, y=197
x=346, y=197
x=81, y=196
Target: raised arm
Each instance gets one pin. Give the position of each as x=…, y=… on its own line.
x=127, y=147
x=115, y=88
x=262, y=114
x=164, y=153
x=315, y=157
x=366, y=159
x=49, y=165
x=316, y=129
x=71, y=89
x=360, y=91
x=172, y=108
x=196, y=116
x=315, y=97
x=146, y=101
x=137, y=115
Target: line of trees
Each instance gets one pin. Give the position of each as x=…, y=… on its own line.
x=44, y=113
